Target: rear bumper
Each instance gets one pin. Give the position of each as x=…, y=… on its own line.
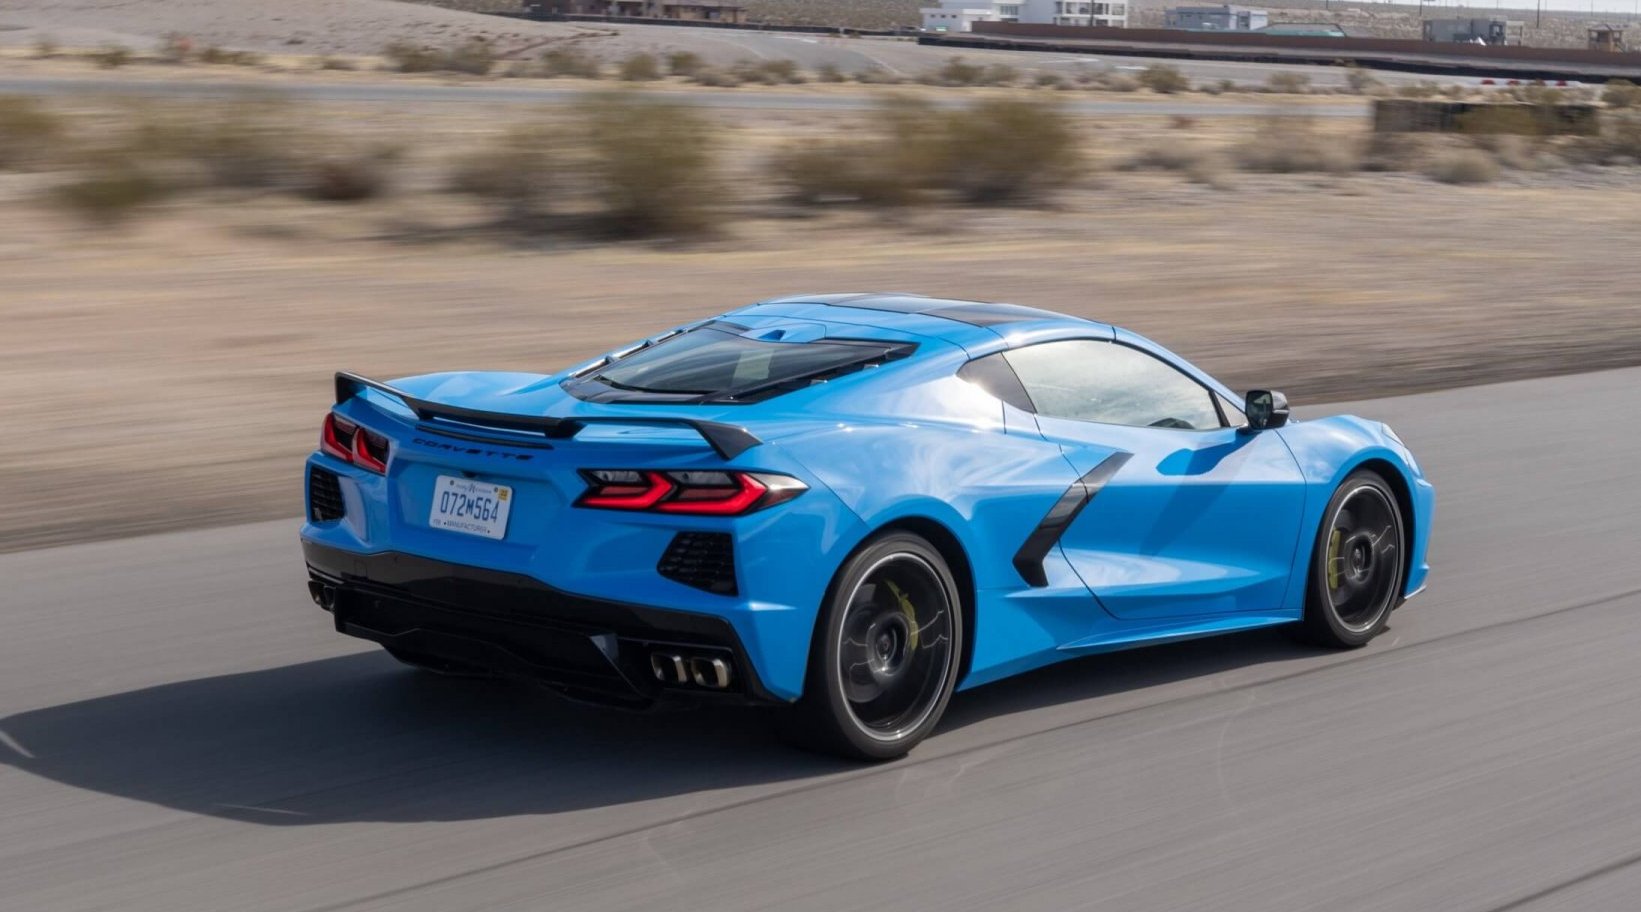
x=517, y=626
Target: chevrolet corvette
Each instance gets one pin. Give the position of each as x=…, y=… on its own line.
x=847, y=507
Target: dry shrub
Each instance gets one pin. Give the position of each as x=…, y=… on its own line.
x=1388, y=152
x=29, y=134
x=997, y=151
x=715, y=78
x=224, y=57
x=876, y=75
x=957, y=72
x=1288, y=83
x=1164, y=79
x=767, y=72
x=111, y=56
x=1621, y=93
x=1292, y=144
x=1050, y=81
x=45, y=47
x=254, y=142
x=1423, y=89
x=1618, y=144
x=1199, y=164
x=845, y=171
x=1008, y=150
x=517, y=173
x=349, y=177
x=337, y=63
x=683, y=63
x=1463, y=166
x=1360, y=80
x=640, y=68
x=569, y=61
x=110, y=191
x=652, y=165
x=474, y=57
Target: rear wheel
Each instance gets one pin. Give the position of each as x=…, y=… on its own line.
x=1357, y=565
x=886, y=653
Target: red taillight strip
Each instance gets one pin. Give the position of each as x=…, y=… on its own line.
x=363, y=457
x=330, y=440
x=656, y=487
x=682, y=492
x=747, y=492
x=351, y=443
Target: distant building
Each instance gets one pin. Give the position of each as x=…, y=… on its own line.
x=1304, y=30
x=1223, y=18
x=1476, y=31
x=689, y=10
x=1608, y=38
x=960, y=15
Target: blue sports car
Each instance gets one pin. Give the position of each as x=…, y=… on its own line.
x=847, y=507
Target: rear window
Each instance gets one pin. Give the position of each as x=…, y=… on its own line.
x=717, y=363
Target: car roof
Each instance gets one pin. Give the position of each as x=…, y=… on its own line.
x=949, y=319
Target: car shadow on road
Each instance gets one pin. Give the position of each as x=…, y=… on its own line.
x=359, y=738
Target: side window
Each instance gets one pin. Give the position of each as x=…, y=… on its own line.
x=1092, y=380
x=1234, y=415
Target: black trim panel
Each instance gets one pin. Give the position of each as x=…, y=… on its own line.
x=591, y=648
x=727, y=440
x=1029, y=559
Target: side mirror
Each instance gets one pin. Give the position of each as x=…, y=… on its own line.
x=1265, y=409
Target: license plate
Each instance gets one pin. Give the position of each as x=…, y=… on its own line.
x=473, y=507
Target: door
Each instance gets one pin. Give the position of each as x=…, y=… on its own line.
x=1201, y=519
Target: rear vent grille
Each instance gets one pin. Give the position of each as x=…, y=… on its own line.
x=324, y=495
x=705, y=560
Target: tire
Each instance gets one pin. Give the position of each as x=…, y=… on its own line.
x=1357, y=566
x=436, y=665
x=886, y=654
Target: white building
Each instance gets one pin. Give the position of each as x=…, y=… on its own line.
x=960, y=15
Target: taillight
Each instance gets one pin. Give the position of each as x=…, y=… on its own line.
x=349, y=442
x=692, y=492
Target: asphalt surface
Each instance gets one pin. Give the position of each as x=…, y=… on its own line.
x=489, y=93
x=180, y=731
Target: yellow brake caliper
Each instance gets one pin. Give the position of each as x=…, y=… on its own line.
x=911, y=616
x=1333, y=559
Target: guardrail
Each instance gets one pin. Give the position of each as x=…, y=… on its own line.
x=1392, y=54
x=839, y=31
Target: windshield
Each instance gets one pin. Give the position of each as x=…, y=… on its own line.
x=716, y=361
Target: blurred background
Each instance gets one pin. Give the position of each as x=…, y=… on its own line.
x=211, y=206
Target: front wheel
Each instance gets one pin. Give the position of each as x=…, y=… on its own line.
x=1356, y=567
x=886, y=653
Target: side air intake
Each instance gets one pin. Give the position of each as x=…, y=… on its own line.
x=705, y=560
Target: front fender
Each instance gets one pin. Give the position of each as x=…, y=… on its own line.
x=1328, y=450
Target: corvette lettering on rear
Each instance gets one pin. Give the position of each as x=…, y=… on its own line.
x=471, y=451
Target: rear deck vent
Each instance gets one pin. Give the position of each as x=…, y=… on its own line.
x=324, y=495
x=705, y=560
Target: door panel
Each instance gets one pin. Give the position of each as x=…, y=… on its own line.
x=1196, y=523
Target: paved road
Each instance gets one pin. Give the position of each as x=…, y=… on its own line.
x=179, y=731
x=510, y=93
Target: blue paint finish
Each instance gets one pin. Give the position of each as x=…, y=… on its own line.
x=1200, y=532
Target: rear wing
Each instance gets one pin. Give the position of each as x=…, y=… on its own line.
x=727, y=440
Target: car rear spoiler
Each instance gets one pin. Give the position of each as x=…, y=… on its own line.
x=727, y=440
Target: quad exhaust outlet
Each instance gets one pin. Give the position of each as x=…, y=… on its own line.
x=708, y=672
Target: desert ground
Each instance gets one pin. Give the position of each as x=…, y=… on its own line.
x=171, y=370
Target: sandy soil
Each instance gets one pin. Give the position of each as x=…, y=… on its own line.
x=174, y=375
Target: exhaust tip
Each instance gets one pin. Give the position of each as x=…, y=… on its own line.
x=709, y=673
x=668, y=668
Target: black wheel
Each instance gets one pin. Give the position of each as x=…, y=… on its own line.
x=1357, y=569
x=437, y=665
x=885, y=655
